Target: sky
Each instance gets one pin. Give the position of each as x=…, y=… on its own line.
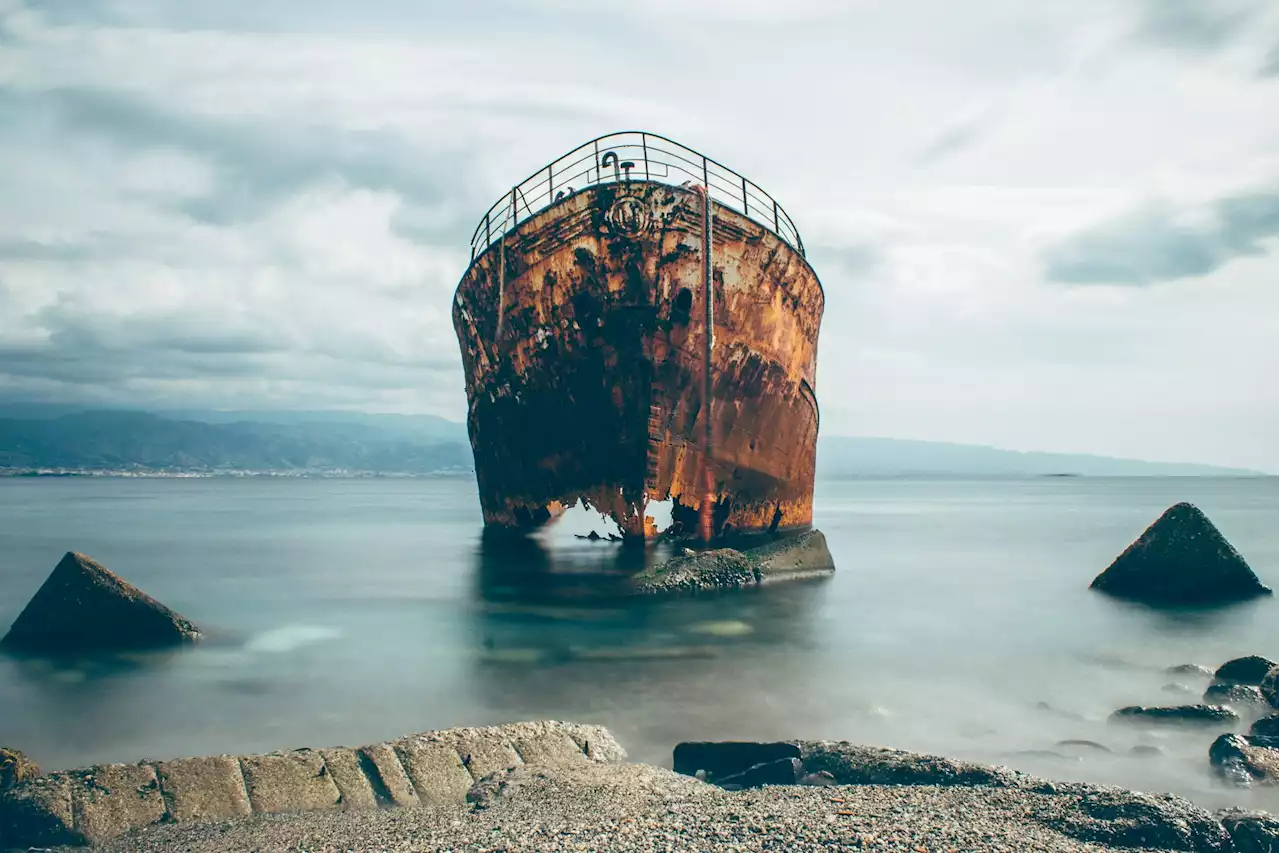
x=1039, y=226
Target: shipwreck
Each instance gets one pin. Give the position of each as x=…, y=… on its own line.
x=639, y=331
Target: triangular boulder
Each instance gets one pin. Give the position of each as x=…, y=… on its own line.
x=84, y=607
x=1181, y=559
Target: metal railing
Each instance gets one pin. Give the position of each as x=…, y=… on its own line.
x=631, y=156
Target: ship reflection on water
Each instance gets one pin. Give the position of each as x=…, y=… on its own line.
x=538, y=603
x=554, y=635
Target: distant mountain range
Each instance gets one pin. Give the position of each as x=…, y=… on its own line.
x=35, y=437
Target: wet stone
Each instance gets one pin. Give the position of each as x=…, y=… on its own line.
x=1241, y=761
x=1267, y=726
x=1246, y=670
x=1240, y=696
x=1176, y=715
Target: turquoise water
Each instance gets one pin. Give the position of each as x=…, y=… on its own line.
x=348, y=611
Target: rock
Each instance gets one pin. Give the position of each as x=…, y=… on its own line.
x=723, y=759
x=821, y=779
x=1251, y=832
x=1242, y=761
x=1086, y=744
x=1181, y=559
x=1177, y=688
x=1267, y=726
x=84, y=607
x=1146, y=750
x=1238, y=696
x=1190, y=669
x=1186, y=715
x=37, y=813
x=1122, y=819
x=719, y=568
x=793, y=558
x=15, y=768
x=1251, y=670
x=784, y=771
x=1268, y=687
x=853, y=764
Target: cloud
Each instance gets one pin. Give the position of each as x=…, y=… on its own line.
x=244, y=203
x=1271, y=64
x=1154, y=246
x=260, y=164
x=953, y=140
x=1197, y=25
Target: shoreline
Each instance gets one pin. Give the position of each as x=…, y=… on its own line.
x=547, y=785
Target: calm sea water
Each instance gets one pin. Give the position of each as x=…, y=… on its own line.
x=349, y=611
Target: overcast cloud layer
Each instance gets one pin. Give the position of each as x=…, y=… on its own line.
x=1045, y=226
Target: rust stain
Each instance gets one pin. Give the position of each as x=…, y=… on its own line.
x=584, y=374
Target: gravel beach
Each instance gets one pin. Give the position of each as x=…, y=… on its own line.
x=635, y=807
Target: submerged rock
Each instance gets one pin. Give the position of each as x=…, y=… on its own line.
x=1243, y=761
x=1181, y=559
x=1251, y=670
x=84, y=607
x=1184, y=715
x=15, y=768
x=1190, y=669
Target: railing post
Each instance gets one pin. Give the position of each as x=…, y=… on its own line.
x=551, y=190
x=775, y=216
x=746, y=206
x=644, y=147
x=706, y=181
x=596, y=162
x=487, y=238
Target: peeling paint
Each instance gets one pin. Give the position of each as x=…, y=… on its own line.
x=591, y=387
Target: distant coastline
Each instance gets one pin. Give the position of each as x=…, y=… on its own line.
x=51, y=441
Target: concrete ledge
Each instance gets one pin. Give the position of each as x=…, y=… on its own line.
x=95, y=804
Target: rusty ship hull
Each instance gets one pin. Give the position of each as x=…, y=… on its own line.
x=583, y=342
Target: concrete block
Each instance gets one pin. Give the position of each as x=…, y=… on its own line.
x=113, y=799
x=435, y=768
x=381, y=759
x=355, y=790
x=288, y=782
x=209, y=788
